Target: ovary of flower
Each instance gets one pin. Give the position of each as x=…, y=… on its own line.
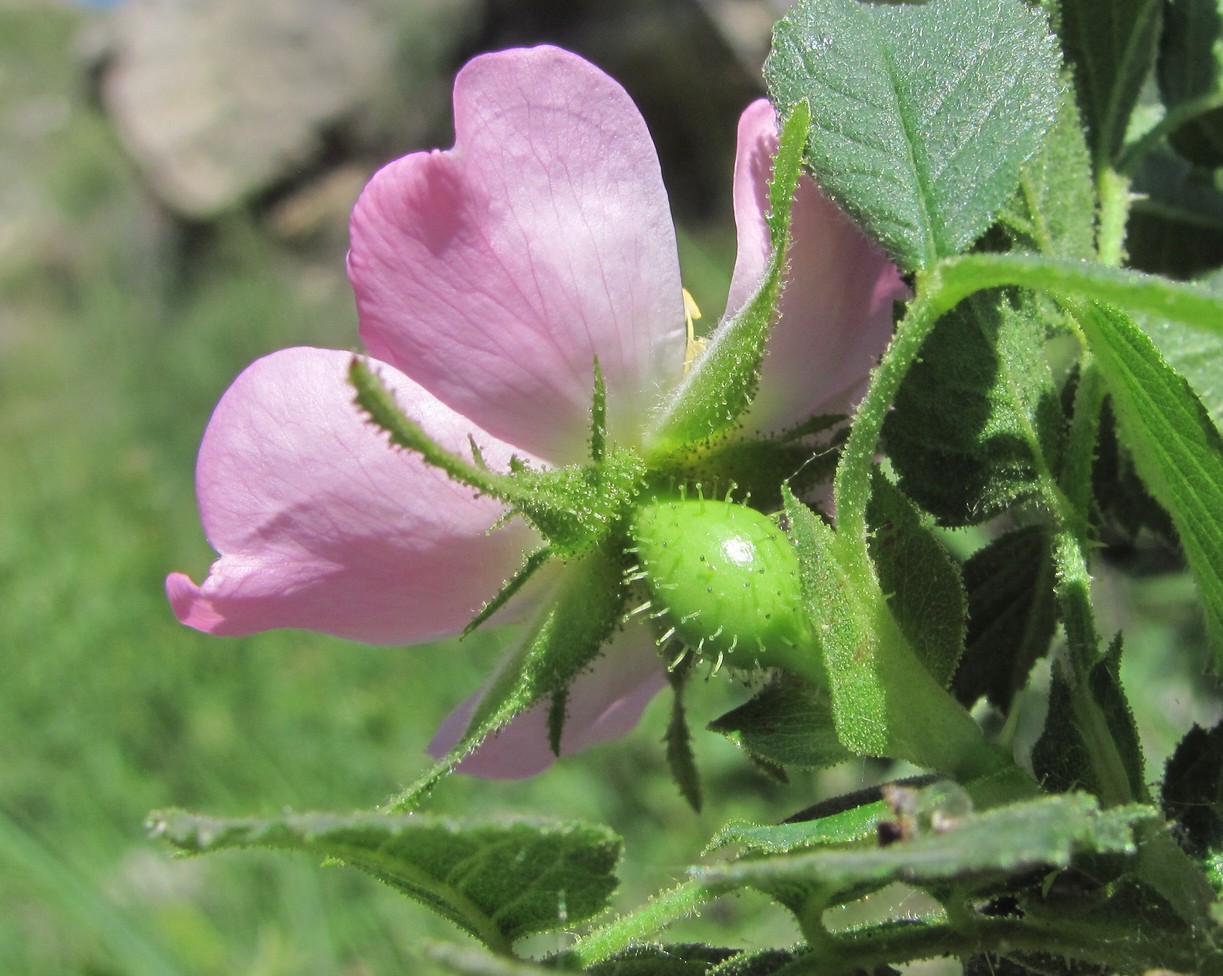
x=489, y=278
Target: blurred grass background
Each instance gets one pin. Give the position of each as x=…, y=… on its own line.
x=119, y=330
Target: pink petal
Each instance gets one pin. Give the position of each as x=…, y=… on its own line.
x=322, y=525
x=604, y=703
x=836, y=309
x=493, y=274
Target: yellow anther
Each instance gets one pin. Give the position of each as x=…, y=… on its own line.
x=695, y=346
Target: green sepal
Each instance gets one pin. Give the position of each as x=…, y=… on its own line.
x=576, y=508
x=722, y=383
x=789, y=723
x=568, y=634
x=681, y=760
x=884, y=700
x=498, y=881
x=921, y=580
x=754, y=469
x=530, y=566
x=379, y=404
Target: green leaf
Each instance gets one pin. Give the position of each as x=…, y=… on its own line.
x=847, y=819
x=1012, y=616
x=566, y=636
x=1191, y=69
x=1193, y=789
x=1098, y=714
x=1123, y=506
x=1197, y=356
x=1176, y=221
x=922, y=582
x=497, y=880
x=921, y=114
x=977, y=424
x=1111, y=45
x=788, y=723
x=722, y=383
x=977, y=849
x=1053, y=210
x=1177, y=451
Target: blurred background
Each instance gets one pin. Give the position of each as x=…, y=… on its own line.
x=175, y=182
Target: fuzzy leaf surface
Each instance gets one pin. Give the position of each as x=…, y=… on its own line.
x=1176, y=224
x=1062, y=759
x=1193, y=788
x=1053, y=210
x=884, y=700
x=921, y=114
x=1196, y=355
x=498, y=881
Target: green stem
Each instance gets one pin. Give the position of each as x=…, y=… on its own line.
x=952, y=280
x=852, y=485
x=1114, y=192
x=645, y=923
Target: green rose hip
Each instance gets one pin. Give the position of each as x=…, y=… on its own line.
x=724, y=579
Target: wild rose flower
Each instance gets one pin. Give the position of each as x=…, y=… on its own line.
x=489, y=278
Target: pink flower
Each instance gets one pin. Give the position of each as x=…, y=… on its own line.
x=488, y=278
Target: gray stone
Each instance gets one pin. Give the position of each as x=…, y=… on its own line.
x=218, y=100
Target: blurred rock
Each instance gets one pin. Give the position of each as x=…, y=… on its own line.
x=676, y=62
x=219, y=101
x=747, y=26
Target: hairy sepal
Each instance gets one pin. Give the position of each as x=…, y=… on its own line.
x=722, y=383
